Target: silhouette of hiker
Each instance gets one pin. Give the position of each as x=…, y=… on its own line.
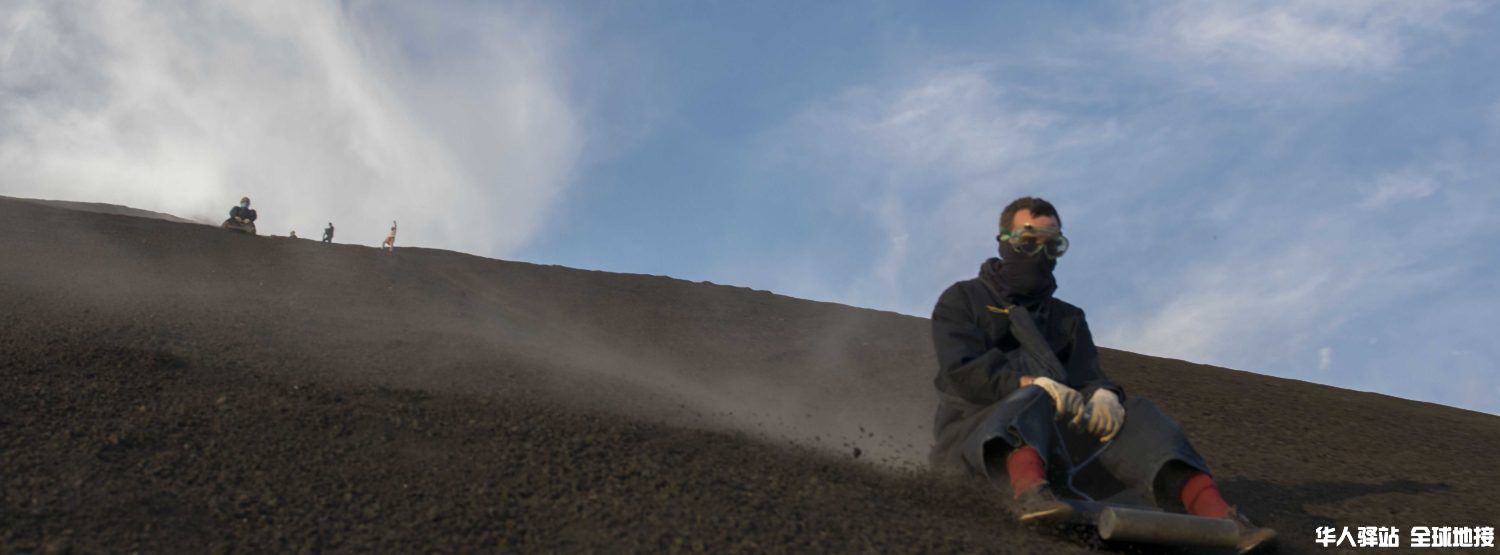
x=1021, y=393
x=328, y=233
x=390, y=240
x=293, y=235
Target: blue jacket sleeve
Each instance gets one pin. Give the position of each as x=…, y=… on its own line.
x=967, y=367
x=1082, y=363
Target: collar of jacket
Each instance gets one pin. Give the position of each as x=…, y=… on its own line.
x=989, y=273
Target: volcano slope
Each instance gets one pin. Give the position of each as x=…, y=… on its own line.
x=101, y=208
x=173, y=387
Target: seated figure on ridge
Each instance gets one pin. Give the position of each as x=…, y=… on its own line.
x=241, y=218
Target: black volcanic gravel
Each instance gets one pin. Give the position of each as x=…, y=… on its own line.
x=169, y=387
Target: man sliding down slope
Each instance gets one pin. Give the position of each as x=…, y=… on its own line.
x=241, y=218
x=1010, y=410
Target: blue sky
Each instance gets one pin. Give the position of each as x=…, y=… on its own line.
x=1303, y=189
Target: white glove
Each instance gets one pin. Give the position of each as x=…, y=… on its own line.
x=1104, y=414
x=1066, y=399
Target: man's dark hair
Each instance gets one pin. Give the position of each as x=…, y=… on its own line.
x=1035, y=205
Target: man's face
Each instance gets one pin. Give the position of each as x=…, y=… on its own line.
x=1036, y=235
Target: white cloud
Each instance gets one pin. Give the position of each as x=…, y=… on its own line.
x=930, y=164
x=1391, y=189
x=1228, y=306
x=1274, y=41
x=313, y=109
x=1202, y=230
x=1266, y=295
x=1225, y=248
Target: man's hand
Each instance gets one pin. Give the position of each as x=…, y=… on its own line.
x=1065, y=399
x=1105, y=415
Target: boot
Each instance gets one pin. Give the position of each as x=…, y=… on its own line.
x=1039, y=503
x=1252, y=538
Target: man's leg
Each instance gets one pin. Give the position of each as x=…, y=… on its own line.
x=1026, y=469
x=1182, y=488
x=1014, y=438
x=1153, y=454
x=1021, y=419
x=1149, y=443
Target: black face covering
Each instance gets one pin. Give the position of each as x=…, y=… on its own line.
x=1024, y=277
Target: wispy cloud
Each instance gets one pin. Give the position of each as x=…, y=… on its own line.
x=1271, y=290
x=1227, y=44
x=929, y=165
x=1288, y=282
x=1245, y=242
x=316, y=110
x=1396, y=188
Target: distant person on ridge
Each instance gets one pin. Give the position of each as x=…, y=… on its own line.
x=328, y=233
x=293, y=234
x=390, y=240
x=241, y=218
x=1027, y=413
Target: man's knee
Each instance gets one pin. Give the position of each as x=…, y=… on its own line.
x=1144, y=420
x=1134, y=403
x=1144, y=409
x=1024, y=417
x=1030, y=399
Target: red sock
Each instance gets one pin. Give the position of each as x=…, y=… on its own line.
x=1201, y=497
x=1026, y=469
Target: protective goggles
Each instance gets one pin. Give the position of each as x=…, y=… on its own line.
x=1030, y=240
